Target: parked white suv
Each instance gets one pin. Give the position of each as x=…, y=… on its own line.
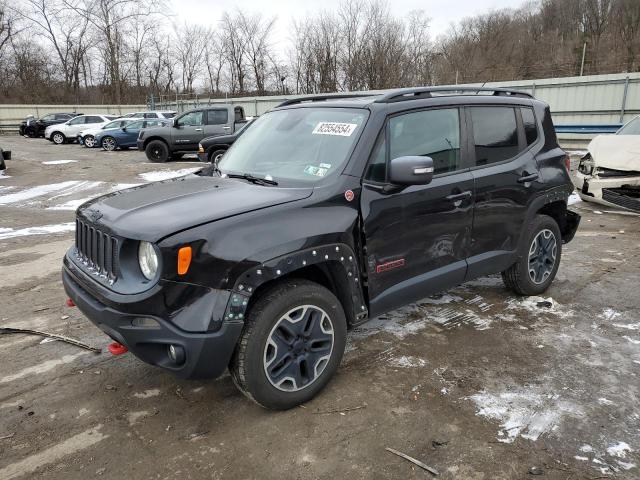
x=151, y=114
x=67, y=132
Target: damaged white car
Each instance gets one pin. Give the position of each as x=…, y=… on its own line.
x=609, y=173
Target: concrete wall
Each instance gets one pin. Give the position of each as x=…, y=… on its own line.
x=11, y=114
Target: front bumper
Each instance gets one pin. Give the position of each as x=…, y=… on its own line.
x=598, y=189
x=207, y=354
x=202, y=156
x=140, y=144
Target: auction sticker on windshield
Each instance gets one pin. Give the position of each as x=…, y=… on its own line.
x=334, y=128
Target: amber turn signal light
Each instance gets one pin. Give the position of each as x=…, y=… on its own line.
x=184, y=260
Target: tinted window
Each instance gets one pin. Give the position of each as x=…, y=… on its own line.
x=377, y=168
x=93, y=119
x=495, y=134
x=77, y=121
x=168, y=114
x=48, y=118
x=430, y=133
x=191, y=118
x=62, y=116
x=529, y=123
x=135, y=125
x=217, y=117
x=150, y=115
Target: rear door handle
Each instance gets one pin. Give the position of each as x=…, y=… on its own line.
x=457, y=197
x=198, y=129
x=226, y=128
x=528, y=178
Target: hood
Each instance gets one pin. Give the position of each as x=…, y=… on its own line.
x=156, y=210
x=617, y=152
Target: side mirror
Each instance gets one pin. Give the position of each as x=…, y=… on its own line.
x=124, y=129
x=174, y=123
x=411, y=170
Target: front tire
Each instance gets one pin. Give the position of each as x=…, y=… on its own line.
x=58, y=138
x=109, y=144
x=216, y=155
x=157, y=151
x=538, y=258
x=291, y=344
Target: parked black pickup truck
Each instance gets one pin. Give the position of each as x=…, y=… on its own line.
x=325, y=213
x=34, y=127
x=187, y=130
x=211, y=149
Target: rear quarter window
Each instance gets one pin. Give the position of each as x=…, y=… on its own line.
x=530, y=125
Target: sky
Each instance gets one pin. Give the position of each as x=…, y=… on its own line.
x=441, y=12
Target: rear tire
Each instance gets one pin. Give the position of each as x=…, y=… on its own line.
x=291, y=344
x=157, y=151
x=58, y=138
x=538, y=258
x=89, y=141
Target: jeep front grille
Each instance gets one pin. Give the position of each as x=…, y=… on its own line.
x=97, y=250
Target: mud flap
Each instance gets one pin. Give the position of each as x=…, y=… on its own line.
x=572, y=220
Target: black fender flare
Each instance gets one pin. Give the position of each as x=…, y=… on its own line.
x=340, y=255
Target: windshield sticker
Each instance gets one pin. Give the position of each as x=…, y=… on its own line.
x=315, y=171
x=334, y=128
x=325, y=165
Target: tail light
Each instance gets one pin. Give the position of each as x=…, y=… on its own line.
x=567, y=162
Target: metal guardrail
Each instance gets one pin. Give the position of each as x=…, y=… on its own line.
x=589, y=129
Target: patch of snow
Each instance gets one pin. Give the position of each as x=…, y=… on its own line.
x=534, y=304
x=581, y=458
x=574, y=198
x=632, y=340
x=586, y=448
x=43, y=230
x=154, y=392
x=625, y=465
x=71, y=204
x=79, y=187
x=59, y=162
x=2, y=175
x=36, y=191
x=619, y=449
x=407, y=362
x=133, y=417
x=441, y=299
x=523, y=413
x=609, y=314
x=159, y=175
x=605, y=401
x=628, y=326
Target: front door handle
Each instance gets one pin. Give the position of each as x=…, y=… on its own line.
x=458, y=197
x=227, y=128
x=528, y=178
x=198, y=129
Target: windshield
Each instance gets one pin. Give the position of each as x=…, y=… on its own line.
x=302, y=145
x=631, y=128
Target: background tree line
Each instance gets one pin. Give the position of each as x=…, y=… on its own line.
x=120, y=51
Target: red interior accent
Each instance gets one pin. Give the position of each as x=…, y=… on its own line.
x=70, y=303
x=117, y=348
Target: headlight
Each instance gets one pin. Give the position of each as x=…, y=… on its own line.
x=148, y=260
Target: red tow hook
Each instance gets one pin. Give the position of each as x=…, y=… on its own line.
x=117, y=348
x=70, y=303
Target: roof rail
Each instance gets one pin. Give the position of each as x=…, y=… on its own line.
x=321, y=98
x=403, y=94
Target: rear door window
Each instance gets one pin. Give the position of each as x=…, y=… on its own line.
x=150, y=115
x=495, y=134
x=93, y=119
x=217, y=117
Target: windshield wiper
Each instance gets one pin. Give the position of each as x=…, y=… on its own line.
x=252, y=179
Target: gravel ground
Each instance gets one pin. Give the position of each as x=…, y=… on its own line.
x=476, y=382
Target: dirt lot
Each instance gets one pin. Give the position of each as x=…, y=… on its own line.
x=476, y=383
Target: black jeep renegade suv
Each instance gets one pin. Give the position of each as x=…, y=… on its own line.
x=326, y=212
